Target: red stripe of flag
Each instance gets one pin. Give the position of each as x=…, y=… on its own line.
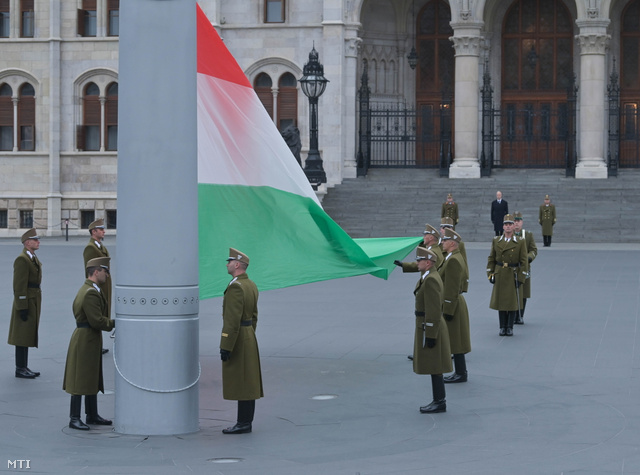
x=214, y=59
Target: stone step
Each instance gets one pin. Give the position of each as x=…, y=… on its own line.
x=398, y=202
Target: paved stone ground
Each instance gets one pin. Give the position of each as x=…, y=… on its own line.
x=559, y=397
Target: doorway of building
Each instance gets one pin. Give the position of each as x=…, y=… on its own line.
x=536, y=119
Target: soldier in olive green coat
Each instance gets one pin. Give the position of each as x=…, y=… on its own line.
x=447, y=223
x=450, y=210
x=454, y=277
x=547, y=218
x=532, y=252
x=27, y=300
x=241, y=373
x=95, y=248
x=431, y=349
x=507, y=271
x=83, y=369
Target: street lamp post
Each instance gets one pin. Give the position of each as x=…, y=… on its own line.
x=313, y=84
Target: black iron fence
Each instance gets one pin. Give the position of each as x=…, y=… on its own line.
x=528, y=133
x=401, y=136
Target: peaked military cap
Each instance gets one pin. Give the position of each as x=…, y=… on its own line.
x=98, y=223
x=546, y=197
x=235, y=255
x=508, y=218
x=431, y=230
x=446, y=222
x=450, y=196
x=99, y=262
x=451, y=234
x=31, y=234
x=517, y=215
x=422, y=253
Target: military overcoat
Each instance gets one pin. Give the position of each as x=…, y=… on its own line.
x=463, y=253
x=241, y=374
x=532, y=252
x=454, y=278
x=450, y=210
x=430, y=324
x=507, y=261
x=83, y=369
x=93, y=250
x=547, y=218
x=27, y=276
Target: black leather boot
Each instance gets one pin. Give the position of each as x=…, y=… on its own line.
x=91, y=408
x=26, y=362
x=511, y=316
x=246, y=410
x=21, y=364
x=439, y=403
x=502, y=315
x=74, y=414
x=460, y=374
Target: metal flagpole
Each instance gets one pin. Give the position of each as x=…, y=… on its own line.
x=156, y=273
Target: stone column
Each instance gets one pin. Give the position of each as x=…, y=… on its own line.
x=331, y=119
x=103, y=122
x=54, y=197
x=592, y=41
x=350, y=99
x=467, y=42
x=15, y=100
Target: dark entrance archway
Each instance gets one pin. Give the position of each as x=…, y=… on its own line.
x=434, y=84
x=629, y=119
x=537, y=72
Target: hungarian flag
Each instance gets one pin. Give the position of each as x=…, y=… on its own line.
x=253, y=195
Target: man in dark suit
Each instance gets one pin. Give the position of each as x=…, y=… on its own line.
x=499, y=208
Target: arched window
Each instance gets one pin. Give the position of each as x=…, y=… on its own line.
x=287, y=101
x=27, y=118
x=262, y=85
x=21, y=113
x=6, y=118
x=111, y=116
x=89, y=133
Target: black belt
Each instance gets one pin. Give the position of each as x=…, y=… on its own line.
x=246, y=323
x=33, y=286
x=82, y=325
x=504, y=264
x=419, y=314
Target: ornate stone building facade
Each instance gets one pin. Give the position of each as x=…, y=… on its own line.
x=59, y=77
